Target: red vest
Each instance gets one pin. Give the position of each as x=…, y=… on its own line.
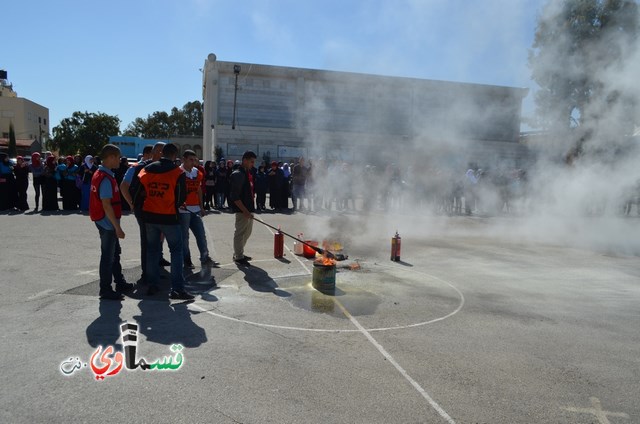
x=96, y=210
x=192, y=190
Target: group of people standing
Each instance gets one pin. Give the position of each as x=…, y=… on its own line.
x=277, y=179
x=168, y=203
x=70, y=177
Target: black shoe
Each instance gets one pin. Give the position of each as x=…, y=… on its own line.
x=152, y=290
x=247, y=258
x=124, y=287
x=209, y=262
x=181, y=294
x=164, y=262
x=242, y=261
x=111, y=295
x=189, y=265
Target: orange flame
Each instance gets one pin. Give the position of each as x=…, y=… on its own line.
x=326, y=261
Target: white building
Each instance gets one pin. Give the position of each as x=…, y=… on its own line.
x=283, y=113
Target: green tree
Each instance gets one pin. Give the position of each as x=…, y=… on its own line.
x=12, y=148
x=184, y=121
x=84, y=133
x=581, y=52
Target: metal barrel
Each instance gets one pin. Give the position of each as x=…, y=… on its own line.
x=324, y=278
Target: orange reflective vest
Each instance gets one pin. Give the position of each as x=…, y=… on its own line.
x=160, y=191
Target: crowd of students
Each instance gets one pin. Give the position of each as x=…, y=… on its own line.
x=68, y=176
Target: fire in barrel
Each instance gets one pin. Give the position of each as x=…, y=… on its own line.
x=324, y=275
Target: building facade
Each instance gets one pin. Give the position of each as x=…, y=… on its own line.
x=282, y=113
x=30, y=120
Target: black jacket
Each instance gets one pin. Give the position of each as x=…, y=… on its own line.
x=240, y=190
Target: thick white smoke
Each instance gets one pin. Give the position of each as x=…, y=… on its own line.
x=386, y=181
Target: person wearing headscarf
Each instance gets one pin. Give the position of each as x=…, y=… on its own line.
x=21, y=172
x=67, y=174
x=36, y=167
x=50, y=192
x=8, y=192
x=87, y=170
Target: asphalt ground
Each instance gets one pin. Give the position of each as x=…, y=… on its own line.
x=470, y=327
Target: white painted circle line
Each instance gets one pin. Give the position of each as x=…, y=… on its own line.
x=325, y=330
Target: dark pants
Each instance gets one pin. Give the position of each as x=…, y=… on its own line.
x=209, y=196
x=38, y=187
x=173, y=235
x=143, y=248
x=261, y=199
x=109, y=260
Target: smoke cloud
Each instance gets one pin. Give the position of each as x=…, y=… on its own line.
x=391, y=158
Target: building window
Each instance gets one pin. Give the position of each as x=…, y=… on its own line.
x=45, y=121
x=39, y=120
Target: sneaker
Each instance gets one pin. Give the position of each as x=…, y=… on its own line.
x=111, y=295
x=164, y=262
x=189, y=265
x=209, y=262
x=181, y=294
x=124, y=287
x=152, y=290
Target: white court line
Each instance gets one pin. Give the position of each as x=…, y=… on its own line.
x=384, y=353
x=393, y=362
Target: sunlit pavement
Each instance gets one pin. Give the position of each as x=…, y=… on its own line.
x=470, y=327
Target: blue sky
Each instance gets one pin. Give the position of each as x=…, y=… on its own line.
x=131, y=58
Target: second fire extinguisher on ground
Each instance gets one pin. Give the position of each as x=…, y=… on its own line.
x=396, y=243
x=278, y=245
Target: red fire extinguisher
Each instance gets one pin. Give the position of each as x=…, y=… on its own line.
x=278, y=245
x=396, y=243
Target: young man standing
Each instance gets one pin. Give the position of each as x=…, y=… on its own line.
x=162, y=183
x=192, y=211
x=128, y=187
x=241, y=199
x=105, y=210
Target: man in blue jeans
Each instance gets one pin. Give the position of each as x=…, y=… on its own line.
x=105, y=210
x=192, y=211
x=162, y=183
